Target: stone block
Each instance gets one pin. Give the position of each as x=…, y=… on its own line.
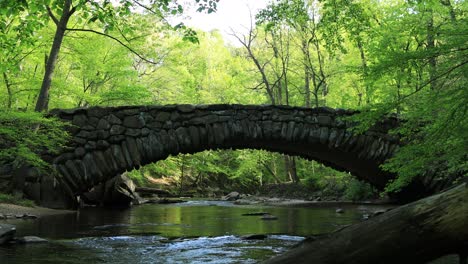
x=98, y=111
x=134, y=121
x=324, y=120
x=102, y=144
x=80, y=120
x=102, y=134
x=324, y=134
x=133, y=150
x=80, y=152
x=127, y=156
x=185, y=108
x=194, y=136
x=116, y=139
x=117, y=130
x=161, y=116
x=79, y=140
x=118, y=157
x=113, y=120
x=90, y=145
x=103, y=124
x=92, y=172
x=133, y=132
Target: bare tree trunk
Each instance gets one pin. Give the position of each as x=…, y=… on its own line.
x=272, y=173
x=290, y=166
x=414, y=233
x=42, y=103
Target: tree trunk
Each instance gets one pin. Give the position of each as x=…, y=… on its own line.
x=42, y=103
x=8, y=87
x=290, y=167
x=365, y=71
x=414, y=233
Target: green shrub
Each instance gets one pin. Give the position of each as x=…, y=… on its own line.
x=311, y=183
x=24, y=135
x=358, y=191
x=7, y=198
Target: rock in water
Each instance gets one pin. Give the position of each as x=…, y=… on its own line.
x=7, y=232
x=118, y=191
x=31, y=239
x=339, y=211
x=231, y=196
x=269, y=217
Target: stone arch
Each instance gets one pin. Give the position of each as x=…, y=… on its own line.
x=109, y=141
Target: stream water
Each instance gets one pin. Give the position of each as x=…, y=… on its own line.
x=192, y=232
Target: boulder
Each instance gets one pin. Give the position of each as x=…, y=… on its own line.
x=118, y=191
x=231, y=196
x=7, y=232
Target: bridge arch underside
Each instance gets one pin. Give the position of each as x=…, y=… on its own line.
x=109, y=141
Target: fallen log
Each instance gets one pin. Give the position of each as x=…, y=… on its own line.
x=414, y=233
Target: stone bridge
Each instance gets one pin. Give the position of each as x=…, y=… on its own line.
x=107, y=141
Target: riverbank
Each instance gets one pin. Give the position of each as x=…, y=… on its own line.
x=275, y=201
x=17, y=210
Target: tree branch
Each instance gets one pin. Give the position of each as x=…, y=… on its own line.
x=52, y=16
x=115, y=39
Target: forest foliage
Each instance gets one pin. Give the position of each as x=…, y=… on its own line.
x=405, y=58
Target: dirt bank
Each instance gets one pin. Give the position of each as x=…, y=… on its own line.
x=12, y=209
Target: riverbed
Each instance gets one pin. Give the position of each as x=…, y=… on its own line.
x=191, y=232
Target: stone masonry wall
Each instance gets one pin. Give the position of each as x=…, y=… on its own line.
x=108, y=141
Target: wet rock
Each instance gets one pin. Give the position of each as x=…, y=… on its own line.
x=231, y=196
x=30, y=216
x=245, y=202
x=254, y=237
x=2, y=216
x=269, y=217
x=118, y=191
x=7, y=232
x=379, y=212
x=339, y=211
x=30, y=240
x=138, y=200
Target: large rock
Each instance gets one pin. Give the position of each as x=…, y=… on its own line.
x=7, y=232
x=118, y=191
x=232, y=196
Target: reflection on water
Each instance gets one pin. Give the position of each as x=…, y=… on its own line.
x=194, y=232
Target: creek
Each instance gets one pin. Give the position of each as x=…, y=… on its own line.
x=191, y=232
